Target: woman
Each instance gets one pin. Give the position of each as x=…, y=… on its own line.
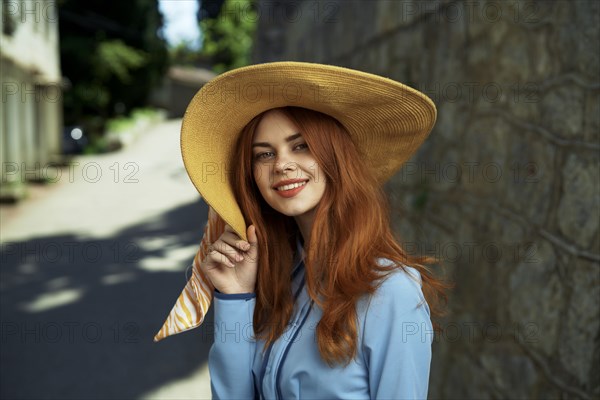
x=315, y=299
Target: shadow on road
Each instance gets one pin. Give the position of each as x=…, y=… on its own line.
x=79, y=316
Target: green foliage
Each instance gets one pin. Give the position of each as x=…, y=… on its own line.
x=97, y=145
x=123, y=124
x=92, y=94
x=184, y=53
x=228, y=38
x=113, y=57
x=120, y=124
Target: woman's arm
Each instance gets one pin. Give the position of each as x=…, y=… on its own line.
x=231, y=356
x=397, y=339
x=231, y=266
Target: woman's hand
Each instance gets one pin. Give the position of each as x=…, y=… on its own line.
x=231, y=263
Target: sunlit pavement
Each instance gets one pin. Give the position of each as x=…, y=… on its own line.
x=90, y=268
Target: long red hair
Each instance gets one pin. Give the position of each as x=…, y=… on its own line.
x=351, y=230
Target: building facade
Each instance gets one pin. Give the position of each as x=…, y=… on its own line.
x=31, y=107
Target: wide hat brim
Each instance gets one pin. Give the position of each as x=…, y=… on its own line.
x=387, y=120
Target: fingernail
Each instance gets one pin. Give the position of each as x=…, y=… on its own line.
x=246, y=246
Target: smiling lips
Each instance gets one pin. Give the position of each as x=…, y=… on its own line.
x=290, y=188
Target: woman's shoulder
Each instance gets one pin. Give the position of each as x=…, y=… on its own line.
x=399, y=291
x=403, y=278
x=401, y=275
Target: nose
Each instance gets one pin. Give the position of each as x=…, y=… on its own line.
x=285, y=163
x=285, y=166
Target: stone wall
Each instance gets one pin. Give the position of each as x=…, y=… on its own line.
x=506, y=189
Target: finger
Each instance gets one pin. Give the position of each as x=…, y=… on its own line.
x=232, y=239
x=215, y=258
x=228, y=250
x=253, y=239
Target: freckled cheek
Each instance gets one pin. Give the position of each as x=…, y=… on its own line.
x=262, y=177
x=313, y=168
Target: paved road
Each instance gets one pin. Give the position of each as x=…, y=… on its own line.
x=90, y=267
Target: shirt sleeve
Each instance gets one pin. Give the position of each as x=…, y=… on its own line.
x=232, y=353
x=397, y=339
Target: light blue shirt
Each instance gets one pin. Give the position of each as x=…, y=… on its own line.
x=393, y=356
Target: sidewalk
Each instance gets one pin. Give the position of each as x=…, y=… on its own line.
x=90, y=268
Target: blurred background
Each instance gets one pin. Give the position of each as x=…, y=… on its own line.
x=99, y=222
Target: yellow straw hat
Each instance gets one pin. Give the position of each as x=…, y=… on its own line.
x=387, y=120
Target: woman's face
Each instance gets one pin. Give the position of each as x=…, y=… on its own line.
x=285, y=171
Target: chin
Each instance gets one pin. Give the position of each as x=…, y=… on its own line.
x=293, y=211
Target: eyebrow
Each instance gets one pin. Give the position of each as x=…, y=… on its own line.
x=287, y=139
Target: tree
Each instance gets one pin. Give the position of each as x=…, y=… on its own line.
x=113, y=54
x=228, y=37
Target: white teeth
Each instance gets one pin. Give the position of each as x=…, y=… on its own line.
x=292, y=186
